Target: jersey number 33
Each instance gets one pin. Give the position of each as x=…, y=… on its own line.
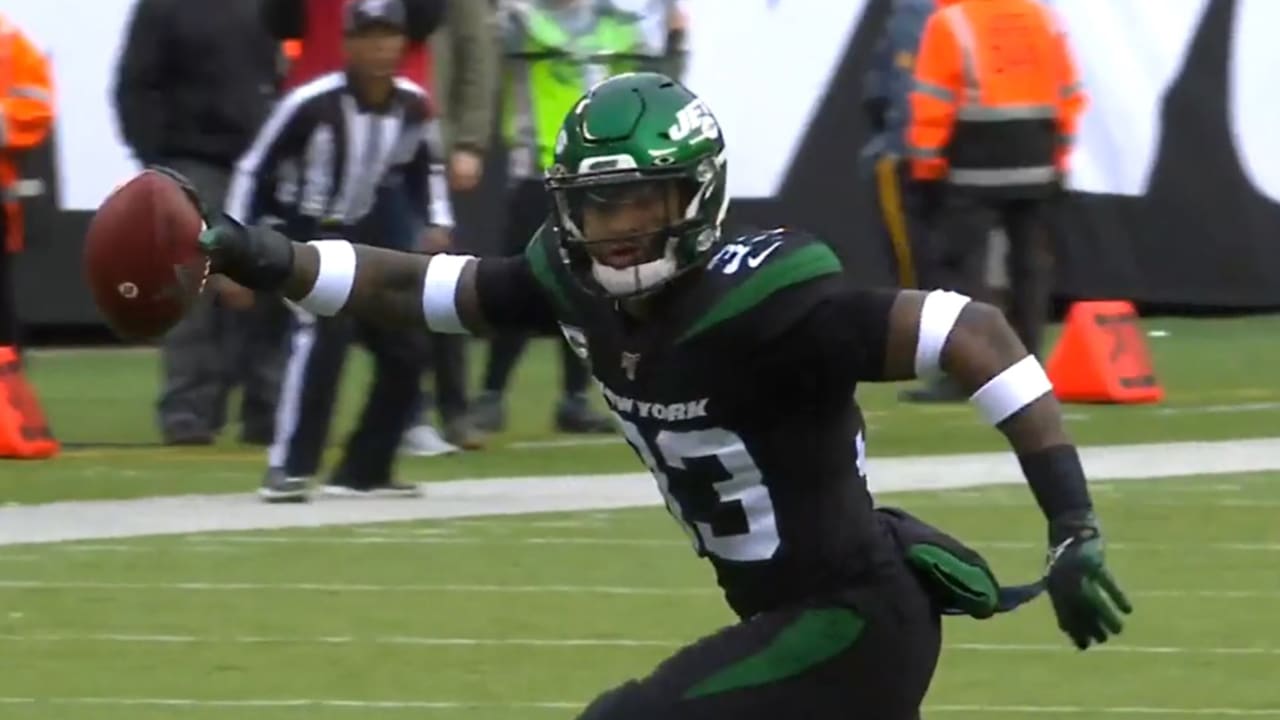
x=742, y=496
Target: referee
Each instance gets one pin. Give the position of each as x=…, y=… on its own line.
x=315, y=169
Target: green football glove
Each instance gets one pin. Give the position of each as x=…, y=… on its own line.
x=256, y=257
x=1085, y=596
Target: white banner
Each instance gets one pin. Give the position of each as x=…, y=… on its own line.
x=764, y=67
x=1131, y=51
x=763, y=103
x=83, y=38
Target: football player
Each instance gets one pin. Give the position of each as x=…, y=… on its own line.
x=731, y=364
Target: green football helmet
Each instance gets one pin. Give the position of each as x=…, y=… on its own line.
x=638, y=185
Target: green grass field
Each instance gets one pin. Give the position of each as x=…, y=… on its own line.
x=531, y=616
x=480, y=618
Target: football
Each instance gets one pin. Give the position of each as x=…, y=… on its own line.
x=142, y=259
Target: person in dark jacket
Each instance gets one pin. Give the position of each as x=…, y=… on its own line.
x=195, y=81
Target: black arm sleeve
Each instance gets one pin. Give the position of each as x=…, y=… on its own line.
x=140, y=76
x=284, y=19
x=851, y=331
x=841, y=340
x=511, y=298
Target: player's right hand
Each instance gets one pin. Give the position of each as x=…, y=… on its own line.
x=1086, y=598
x=257, y=257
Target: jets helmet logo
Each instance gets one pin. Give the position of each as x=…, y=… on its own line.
x=694, y=117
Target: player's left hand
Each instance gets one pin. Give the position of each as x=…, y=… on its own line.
x=1086, y=598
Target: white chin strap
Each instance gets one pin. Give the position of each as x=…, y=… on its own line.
x=621, y=282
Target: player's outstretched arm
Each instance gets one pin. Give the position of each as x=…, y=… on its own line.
x=441, y=291
x=326, y=277
x=972, y=343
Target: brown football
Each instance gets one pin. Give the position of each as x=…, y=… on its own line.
x=142, y=257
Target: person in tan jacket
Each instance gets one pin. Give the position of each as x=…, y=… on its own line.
x=464, y=61
x=465, y=53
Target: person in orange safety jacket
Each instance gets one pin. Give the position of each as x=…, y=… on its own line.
x=26, y=116
x=994, y=106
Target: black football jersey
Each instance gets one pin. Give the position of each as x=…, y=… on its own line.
x=736, y=390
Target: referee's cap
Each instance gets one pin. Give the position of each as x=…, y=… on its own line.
x=361, y=15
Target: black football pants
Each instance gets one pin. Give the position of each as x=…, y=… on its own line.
x=868, y=652
x=964, y=228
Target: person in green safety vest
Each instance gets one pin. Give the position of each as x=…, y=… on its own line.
x=553, y=52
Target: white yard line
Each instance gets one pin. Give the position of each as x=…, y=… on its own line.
x=1110, y=648
x=945, y=500
x=353, y=540
x=56, y=522
x=231, y=586
x=367, y=705
x=610, y=542
x=240, y=704
x=430, y=641
x=1139, y=710
x=198, y=586
x=1218, y=409
x=144, y=639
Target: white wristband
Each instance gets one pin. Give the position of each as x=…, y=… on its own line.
x=1016, y=387
x=937, y=316
x=336, y=276
x=439, y=292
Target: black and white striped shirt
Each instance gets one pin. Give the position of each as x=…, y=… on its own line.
x=318, y=161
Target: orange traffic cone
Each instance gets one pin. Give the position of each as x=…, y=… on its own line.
x=1102, y=356
x=24, y=433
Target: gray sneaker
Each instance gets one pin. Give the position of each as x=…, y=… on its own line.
x=574, y=414
x=280, y=488
x=488, y=413
x=461, y=433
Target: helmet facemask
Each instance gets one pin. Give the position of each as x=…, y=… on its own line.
x=626, y=233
